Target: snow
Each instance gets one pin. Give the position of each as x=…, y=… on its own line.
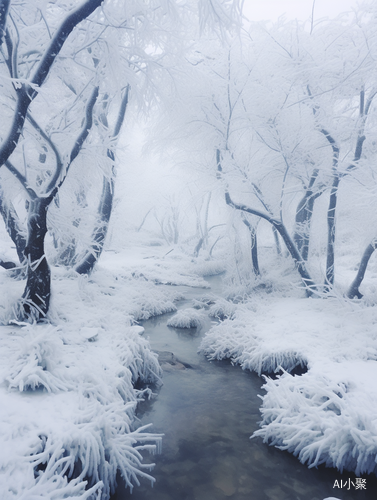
x=67, y=387
x=328, y=414
x=187, y=318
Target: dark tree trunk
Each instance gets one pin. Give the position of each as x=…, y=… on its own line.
x=37, y=293
x=104, y=212
x=295, y=254
x=277, y=242
x=330, y=260
x=253, y=246
x=106, y=205
x=254, y=251
x=304, y=214
x=303, y=220
x=354, y=288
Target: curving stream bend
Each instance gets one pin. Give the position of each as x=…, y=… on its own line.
x=207, y=413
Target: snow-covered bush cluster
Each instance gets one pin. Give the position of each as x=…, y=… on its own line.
x=322, y=421
x=82, y=426
x=67, y=388
x=222, y=309
x=187, y=318
x=328, y=414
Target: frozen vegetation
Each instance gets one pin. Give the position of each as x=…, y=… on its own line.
x=328, y=413
x=187, y=318
x=260, y=161
x=67, y=390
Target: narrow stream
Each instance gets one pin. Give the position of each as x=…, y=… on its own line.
x=207, y=414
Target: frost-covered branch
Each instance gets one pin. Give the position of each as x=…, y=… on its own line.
x=54, y=185
x=105, y=207
x=26, y=92
x=4, y=10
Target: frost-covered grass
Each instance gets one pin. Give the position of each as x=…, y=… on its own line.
x=67, y=395
x=187, y=318
x=328, y=414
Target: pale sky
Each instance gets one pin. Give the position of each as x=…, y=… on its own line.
x=257, y=10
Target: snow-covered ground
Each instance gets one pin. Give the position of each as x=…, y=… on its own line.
x=67, y=388
x=328, y=414
x=67, y=391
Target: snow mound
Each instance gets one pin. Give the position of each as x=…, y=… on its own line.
x=67, y=389
x=222, y=309
x=321, y=421
x=233, y=340
x=80, y=402
x=208, y=267
x=187, y=318
x=328, y=414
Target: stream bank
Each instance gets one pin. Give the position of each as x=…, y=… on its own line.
x=207, y=413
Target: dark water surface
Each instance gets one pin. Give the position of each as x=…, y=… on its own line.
x=207, y=414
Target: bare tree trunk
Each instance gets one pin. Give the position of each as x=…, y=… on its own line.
x=277, y=242
x=36, y=297
x=280, y=228
x=104, y=212
x=331, y=228
x=253, y=246
x=354, y=288
x=254, y=251
x=292, y=249
x=106, y=204
x=304, y=214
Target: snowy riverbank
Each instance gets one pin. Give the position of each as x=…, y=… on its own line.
x=79, y=422
x=328, y=414
x=67, y=388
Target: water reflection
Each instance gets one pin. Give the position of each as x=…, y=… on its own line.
x=208, y=414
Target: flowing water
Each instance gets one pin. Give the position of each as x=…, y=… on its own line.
x=207, y=413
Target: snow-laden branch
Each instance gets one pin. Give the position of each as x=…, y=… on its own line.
x=26, y=92
x=77, y=145
x=4, y=9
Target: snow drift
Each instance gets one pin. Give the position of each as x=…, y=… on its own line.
x=328, y=414
x=187, y=318
x=67, y=388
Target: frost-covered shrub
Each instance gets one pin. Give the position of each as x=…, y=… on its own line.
x=204, y=301
x=222, y=309
x=233, y=339
x=187, y=318
x=320, y=422
x=153, y=307
x=35, y=363
x=70, y=439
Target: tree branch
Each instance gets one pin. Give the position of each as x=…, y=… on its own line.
x=53, y=185
x=26, y=92
x=59, y=163
x=4, y=9
x=122, y=112
x=22, y=179
x=279, y=226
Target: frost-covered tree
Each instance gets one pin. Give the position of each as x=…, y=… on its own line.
x=281, y=117
x=68, y=69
